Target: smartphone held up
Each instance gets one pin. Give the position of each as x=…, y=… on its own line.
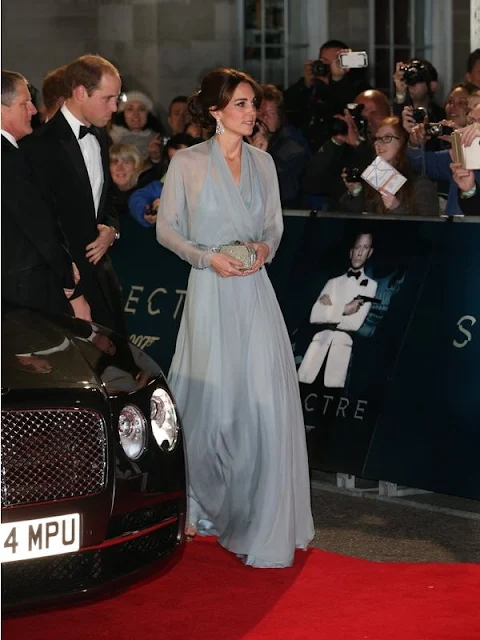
x=353, y=59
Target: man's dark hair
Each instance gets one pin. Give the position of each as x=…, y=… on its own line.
x=53, y=87
x=472, y=59
x=365, y=232
x=333, y=44
x=10, y=80
x=177, y=99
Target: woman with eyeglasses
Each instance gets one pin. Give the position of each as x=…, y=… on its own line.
x=418, y=196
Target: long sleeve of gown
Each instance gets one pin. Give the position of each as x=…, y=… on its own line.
x=273, y=230
x=172, y=217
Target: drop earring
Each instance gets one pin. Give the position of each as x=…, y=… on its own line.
x=219, y=129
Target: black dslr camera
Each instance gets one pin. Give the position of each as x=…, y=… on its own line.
x=435, y=129
x=419, y=114
x=320, y=68
x=340, y=127
x=353, y=174
x=415, y=72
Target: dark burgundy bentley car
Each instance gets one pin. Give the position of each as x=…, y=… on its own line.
x=93, y=471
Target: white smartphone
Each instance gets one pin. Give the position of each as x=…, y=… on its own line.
x=353, y=59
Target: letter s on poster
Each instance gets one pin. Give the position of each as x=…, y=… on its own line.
x=467, y=336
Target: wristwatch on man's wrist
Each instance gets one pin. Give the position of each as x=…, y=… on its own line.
x=117, y=234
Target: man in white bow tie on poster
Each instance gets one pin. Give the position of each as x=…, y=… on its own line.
x=342, y=308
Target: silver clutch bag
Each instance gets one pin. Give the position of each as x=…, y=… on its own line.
x=240, y=251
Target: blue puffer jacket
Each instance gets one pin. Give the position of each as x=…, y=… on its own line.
x=142, y=198
x=437, y=167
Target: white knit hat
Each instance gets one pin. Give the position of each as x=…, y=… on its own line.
x=136, y=95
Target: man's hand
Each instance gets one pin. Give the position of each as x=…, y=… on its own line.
x=464, y=178
x=76, y=273
x=352, y=137
x=150, y=214
x=99, y=247
x=325, y=300
x=400, y=84
x=418, y=135
x=260, y=139
x=408, y=121
x=353, y=307
x=308, y=77
x=81, y=308
x=76, y=279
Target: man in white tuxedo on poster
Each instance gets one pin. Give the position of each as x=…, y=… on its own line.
x=341, y=308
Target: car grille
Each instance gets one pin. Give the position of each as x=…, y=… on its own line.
x=49, y=454
x=47, y=577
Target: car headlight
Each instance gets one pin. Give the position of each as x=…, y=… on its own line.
x=132, y=428
x=164, y=420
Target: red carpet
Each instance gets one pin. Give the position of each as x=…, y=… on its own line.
x=210, y=595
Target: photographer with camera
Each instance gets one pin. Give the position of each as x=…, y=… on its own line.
x=438, y=133
x=415, y=85
x=272, y=134
x=418, y=196
x=349, y=146
x=325, y=90
x=437, y=164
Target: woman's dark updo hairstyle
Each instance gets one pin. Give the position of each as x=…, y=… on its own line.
x=216, y=91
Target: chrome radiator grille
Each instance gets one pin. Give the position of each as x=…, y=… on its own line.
x=49, y=454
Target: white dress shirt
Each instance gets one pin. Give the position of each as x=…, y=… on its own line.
x=90, y=148
x=9, y=137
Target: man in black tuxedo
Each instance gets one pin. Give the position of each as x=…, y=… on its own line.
x=37, y=270
x=69, y=159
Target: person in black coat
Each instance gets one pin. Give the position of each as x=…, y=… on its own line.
x=69, y=160
x=323, y=173
x=37, y=271
x=287, y=147
x=312, y=101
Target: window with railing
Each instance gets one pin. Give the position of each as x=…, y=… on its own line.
x=273, y=39
x=399, y=30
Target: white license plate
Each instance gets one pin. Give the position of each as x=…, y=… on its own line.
x=39, y=538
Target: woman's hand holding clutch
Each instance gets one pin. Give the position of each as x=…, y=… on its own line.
x=225, y=265
x=262, y=250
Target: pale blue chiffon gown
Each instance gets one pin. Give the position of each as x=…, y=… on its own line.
x=233, y=375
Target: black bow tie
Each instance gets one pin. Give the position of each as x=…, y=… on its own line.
x=84, y=130
x=353, y=274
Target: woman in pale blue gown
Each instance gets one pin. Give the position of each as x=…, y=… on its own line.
x=233, y=375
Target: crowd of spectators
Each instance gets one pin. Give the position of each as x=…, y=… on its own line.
x=322, y=133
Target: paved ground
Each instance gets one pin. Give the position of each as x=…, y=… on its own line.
x=391, y=530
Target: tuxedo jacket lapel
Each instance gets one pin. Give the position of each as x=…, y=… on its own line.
x=72, y=149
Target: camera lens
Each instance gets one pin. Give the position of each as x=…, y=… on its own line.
x=433, y=129
x=419, y=114
x=353, y=174
x=319, y=68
